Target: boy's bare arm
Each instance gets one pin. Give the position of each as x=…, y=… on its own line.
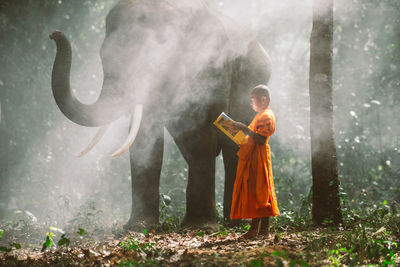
x=258, y=138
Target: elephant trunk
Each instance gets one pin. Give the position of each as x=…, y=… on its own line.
x=102, y=112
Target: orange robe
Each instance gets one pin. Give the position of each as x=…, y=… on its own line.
x=253, y=191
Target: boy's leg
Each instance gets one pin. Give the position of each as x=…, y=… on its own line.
x=264, y=228
x=252, y=233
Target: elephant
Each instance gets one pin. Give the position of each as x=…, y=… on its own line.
x=173, y=65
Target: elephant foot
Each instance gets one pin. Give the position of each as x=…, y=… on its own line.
x=208, y=226
x=137, y=225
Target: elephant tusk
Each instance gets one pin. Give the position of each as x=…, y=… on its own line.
x=100, y=133
x=135, y=125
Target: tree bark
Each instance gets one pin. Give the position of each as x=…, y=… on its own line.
x=326, y=201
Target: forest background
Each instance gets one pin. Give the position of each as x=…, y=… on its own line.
x=42, y=183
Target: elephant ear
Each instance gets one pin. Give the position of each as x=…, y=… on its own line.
x=249, y=65
x=238, y=36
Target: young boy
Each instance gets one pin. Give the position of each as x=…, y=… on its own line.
x=253, y=193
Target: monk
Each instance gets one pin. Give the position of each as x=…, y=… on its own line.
x=253, y=193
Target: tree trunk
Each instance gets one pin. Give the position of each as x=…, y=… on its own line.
x=326, y=202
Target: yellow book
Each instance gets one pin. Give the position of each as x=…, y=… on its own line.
x=224, y=123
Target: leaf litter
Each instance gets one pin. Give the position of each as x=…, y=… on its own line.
x=305, y=247
x=190, y=248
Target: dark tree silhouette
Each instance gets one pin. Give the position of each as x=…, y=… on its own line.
x=326, y=202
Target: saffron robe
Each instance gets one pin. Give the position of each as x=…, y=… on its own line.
x=253, y=191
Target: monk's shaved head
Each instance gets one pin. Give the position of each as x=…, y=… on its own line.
x=261, y=90
x=260, y=98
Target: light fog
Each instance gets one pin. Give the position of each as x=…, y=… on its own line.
x=44, y=184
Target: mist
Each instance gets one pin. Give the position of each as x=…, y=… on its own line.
x=43, y=184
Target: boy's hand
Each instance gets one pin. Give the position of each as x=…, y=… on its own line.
x=259, y=139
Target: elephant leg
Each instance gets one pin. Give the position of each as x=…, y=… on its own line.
x=198, y=148
x=230, y=159
x=146, y=160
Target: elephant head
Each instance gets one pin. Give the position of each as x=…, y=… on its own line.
x=148, y=45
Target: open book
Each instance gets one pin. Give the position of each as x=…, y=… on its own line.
x=224, y=123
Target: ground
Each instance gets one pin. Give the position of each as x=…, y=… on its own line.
x=185, y=249
x=308, y=247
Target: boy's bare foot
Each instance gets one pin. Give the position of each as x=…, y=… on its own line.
x=264, y=232
x=251, y=234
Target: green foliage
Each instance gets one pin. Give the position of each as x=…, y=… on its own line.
x=81, y=232
x=360, y=246
x=222, y=231
x=368, y=235
x=129, y=263
x=64, y=241
x=136, y=245
x=5, y=249
x=48, y=243
x=200, y=234
x=16, y=245
x=282, y=254
x=255, y=263
x=130, y=245
x=12, y=245
x=133, y=262
x=336, y=255
x=169, y=218
x=87, y=216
